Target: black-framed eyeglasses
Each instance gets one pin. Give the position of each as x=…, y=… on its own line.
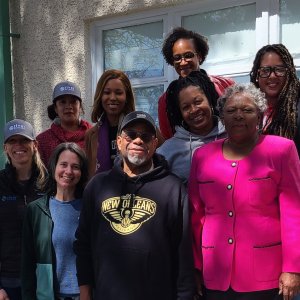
x=265, y=72
x=188, y=56
x=131, y=135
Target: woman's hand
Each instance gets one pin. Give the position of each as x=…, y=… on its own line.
x=3, y=295
x=289, y=285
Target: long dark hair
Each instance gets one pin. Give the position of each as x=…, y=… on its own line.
x=50, y=185
x=284, y=118
x=196, y=78
x=106, y=76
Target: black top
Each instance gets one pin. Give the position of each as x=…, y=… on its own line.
x=133, y=240
x=112, y=135
x=14, y=197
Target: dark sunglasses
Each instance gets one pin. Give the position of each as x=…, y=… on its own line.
x=186, y=56
x=265, y=72
x=131, y=135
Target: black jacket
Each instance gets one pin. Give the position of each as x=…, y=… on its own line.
x=14, y=197
x=133, y=237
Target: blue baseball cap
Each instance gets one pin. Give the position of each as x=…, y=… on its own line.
x=18, y=127
x=66, y=88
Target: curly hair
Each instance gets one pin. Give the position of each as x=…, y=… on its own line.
x=200, y=43
x=284, y=117
x=250, y=90
x=106, y=76
x=196, y=78
x=50, y=185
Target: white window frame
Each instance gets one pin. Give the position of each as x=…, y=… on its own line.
x=267, y=32
x=119, y=22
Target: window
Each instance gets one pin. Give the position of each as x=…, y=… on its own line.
x=235, y=30
x=231, y=36
x=136, y=50
x=290, y=26
x=147, y=97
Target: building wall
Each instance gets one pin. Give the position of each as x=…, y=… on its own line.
x=54, y=45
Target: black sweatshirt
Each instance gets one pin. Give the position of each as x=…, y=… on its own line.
x=133, y=240
x=14, y=197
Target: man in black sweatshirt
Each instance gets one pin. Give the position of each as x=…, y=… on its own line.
x=133, y=240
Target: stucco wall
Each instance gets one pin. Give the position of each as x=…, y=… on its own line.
x=55, y=46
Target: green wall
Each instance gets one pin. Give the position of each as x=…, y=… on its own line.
x=6, y=102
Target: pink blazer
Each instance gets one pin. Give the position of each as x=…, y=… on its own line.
x=246, y=215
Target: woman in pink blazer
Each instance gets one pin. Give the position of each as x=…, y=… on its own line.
x=245, y=206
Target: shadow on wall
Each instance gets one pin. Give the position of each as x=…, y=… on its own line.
x=17, y=63
x=55, y=46
x=49, y=50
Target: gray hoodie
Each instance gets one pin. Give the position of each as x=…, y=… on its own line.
x=179, y=149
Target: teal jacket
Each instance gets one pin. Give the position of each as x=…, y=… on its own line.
x=37, y=252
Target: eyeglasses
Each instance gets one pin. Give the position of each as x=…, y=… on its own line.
x=265, y=72
x=131, y=135
x=188, y=56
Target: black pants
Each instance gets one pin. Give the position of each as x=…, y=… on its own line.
x=232, y=295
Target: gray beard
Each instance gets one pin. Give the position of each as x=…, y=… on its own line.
x=136, y=160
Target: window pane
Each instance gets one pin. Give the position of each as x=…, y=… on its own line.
x=146, y=99
x=241, y=78
x=135, y=49
x=290, y=24
x=230, y=33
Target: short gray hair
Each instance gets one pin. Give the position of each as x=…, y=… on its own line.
x=248, y=89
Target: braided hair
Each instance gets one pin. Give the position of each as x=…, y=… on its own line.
x=284, y=117
x=196, y=78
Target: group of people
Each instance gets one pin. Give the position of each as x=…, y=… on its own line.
x=204, y=207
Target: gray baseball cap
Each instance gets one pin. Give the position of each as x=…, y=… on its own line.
x=18, y=127
x=138, y=116
x=66, y=88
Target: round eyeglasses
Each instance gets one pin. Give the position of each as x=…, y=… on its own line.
x=188, y=56
x=265, y=72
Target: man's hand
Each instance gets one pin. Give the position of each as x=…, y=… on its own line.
x=289, y=285
x=85, y=292
x=3, y=295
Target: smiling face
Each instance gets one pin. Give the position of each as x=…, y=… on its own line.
x=185, y=66
x=137, y=153
x=195, y=110
x=272, y=85
x=68, y=108
x=241, y=117
x=67, y=171
x=113, y=99
x=20, y=150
